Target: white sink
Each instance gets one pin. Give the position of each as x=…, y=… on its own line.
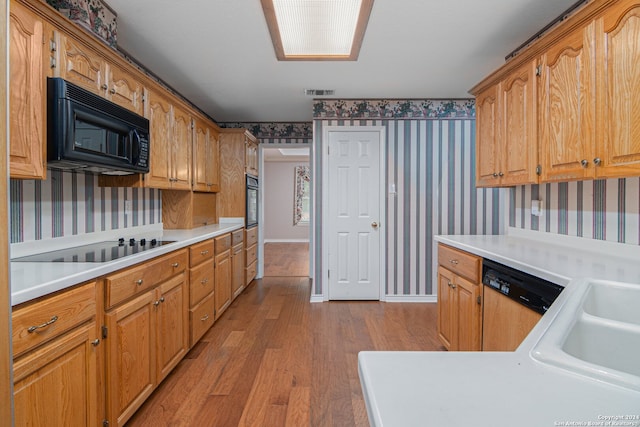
x=597, y=334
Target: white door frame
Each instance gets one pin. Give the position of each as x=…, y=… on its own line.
x=325, y=205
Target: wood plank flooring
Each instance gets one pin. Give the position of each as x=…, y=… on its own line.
x=274, y=359
x=286, y=259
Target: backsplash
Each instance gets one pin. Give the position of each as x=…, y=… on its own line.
x=601, y=209
x=69, y=204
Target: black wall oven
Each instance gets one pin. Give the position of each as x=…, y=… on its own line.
x=252, y=202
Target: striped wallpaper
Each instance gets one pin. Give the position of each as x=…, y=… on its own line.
x=70, y=203
x=432, y=163
x=602, y=209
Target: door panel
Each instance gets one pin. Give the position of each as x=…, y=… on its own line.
x=354, y=213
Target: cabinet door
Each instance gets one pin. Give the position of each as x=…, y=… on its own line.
x=567, y=104
x=237, y=264
x=160, y=122
x=213, y=167
x=519, y=122
x=131, y=346
x=29, y=65
x=469, y=315
x=172, y=332
x=618, y=33
x=200, y=155
x=57, y=384
x=124, y=89
x=446, y=309
x=181, y=150
x=487, y=138
x=81, y=65
x=222, y=293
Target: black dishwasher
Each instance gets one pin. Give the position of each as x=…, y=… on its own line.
x=533, y=292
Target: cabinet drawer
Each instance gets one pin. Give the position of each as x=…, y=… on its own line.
x=127, y=283
x=250, y=272
x=460, y=262
x=237, y=237
x=200, y=282
x=252, y=254
x=251, y=236
x=237, y=248
x=51, y=317
x=201, y=318
x=223, y=243
x=200, y=252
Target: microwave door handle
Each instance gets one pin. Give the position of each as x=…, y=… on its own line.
x=135, y=146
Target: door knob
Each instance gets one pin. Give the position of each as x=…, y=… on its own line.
x=374, y=224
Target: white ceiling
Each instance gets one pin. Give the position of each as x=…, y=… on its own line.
x=218, y=53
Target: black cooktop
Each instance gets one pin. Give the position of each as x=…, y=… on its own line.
x=96, y=252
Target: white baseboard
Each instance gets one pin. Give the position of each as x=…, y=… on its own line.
x=286, y=240
x=412, y=298
x=317, y=298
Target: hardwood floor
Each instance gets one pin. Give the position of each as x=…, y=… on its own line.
x=274, y=359
x=286, y=259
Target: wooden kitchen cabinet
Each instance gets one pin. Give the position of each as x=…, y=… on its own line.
x=507, y=145
x=233, y=167
x=206, y=170
x=58, y=347
x=251, y=155
x=460, y=290
x=124, y=89
x=201, y=289
x=568, y=108
x=222, y=273
x=146, y=336
x=237, y=262
x=251, y=254
x=30, y=56
x=170, y=163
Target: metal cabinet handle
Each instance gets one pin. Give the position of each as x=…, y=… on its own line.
x=204, y=252
x=204, y=281
x=95, y=342
x=44, y=325
x=495, y=174
x=597, y=161
x=161, y=299
x=104, y=86
x=112, y=91
x=454, y=261
x=139, y=282
x=500, y=174
x=584, y=163
x=175, y=264
x=206, y=316
x=453, y=286
x=156, y=303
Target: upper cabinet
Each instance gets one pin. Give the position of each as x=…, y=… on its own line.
x=251, y=154
x=567, y=100
x=206, y=176
x=507, y=148
x=618, y=84
x=30, y=57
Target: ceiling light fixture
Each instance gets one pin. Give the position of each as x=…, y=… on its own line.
x=317, y=30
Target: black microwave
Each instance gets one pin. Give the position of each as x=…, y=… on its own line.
x=86, y=132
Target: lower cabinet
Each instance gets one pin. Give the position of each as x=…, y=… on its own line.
x=459, y=300
x=251, y=254
x=57, y=356
x=237, y=263
x=146, y=336
x=201, y=288
x=222, y=273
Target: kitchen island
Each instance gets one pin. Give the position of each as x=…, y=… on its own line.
x=507, y=388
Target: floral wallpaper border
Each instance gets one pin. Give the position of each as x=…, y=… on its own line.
x=394, y=109
x=94, y=15
x=275, y=130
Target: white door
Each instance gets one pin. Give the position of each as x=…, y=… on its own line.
x=354, y=214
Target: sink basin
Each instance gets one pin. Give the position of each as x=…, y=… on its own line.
x=619, y=302
x=596, y=334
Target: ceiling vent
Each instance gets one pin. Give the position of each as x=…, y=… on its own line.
x=319, y=92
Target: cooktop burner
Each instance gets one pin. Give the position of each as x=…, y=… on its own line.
x=96, y=252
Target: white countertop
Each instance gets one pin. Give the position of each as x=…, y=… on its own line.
x=496, y=389
x=30, y=280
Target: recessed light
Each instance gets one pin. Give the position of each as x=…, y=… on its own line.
x=329, y=30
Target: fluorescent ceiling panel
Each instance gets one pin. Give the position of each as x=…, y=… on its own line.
x=294, y=151
x=317, y=29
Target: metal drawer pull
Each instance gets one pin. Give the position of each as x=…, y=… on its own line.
x=174, y=265
x=204, y=281
x=204, y=252
x=139, y=282
x=44, y=325
x=95, y=342
x=206, y=317
x=113, y=91
x=453, y=261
